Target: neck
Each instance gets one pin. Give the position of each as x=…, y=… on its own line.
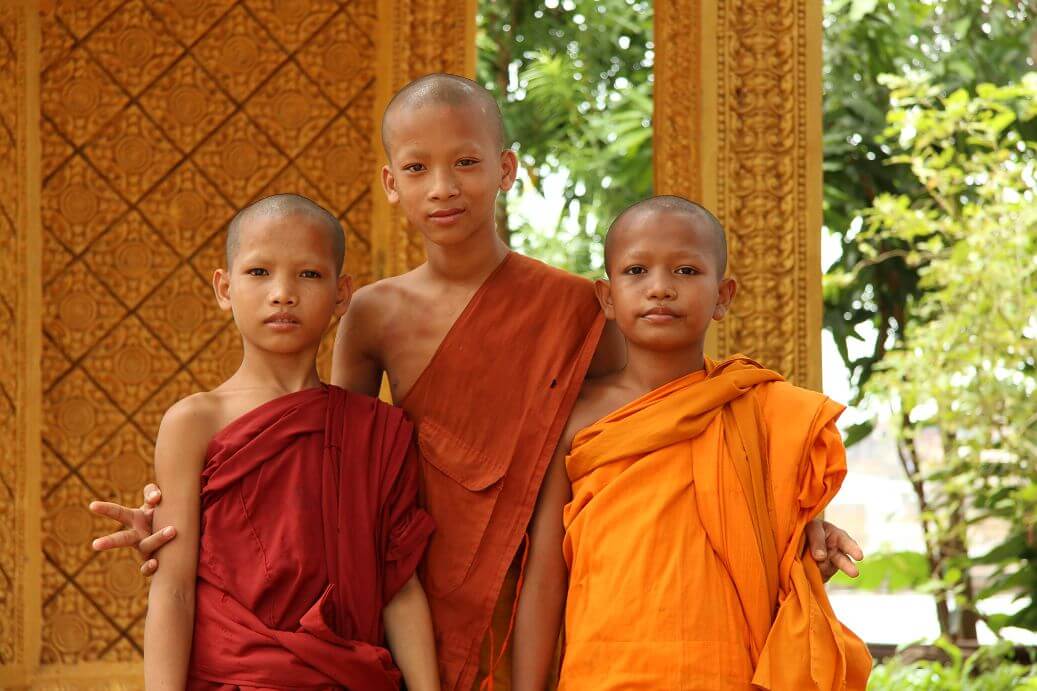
x=471, y=260
x=647, y=370
x=286, y=372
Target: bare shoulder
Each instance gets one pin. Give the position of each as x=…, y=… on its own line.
x=376, y=302
x=597, y=398
x=188, y=426
x=191, y=412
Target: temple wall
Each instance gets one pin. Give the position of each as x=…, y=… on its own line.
x=130, y=131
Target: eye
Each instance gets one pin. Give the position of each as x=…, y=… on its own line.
x=686, y=271
x=467, y=162
x=635, y=270
x=310, y=274
x=258, y=272
x=414, y=167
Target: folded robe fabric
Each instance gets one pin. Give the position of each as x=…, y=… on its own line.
x=489, y=408
x=309, y=527
x=684, y=540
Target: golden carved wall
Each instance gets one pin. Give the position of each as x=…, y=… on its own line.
x=149, y=122
x=159, y=120
x=130, y=130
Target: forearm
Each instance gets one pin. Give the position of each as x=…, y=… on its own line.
x=408, y=628
x=538, y=623
x=168, y=630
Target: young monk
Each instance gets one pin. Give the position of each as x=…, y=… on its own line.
x=486, y=351
x=692, y=482
x=295, y=501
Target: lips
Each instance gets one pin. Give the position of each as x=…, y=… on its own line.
x=282, y=321
x=660, y=315
x=445, y=216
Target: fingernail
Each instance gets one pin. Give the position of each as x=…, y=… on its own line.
x=819, y=554
x=167, y=531
x=152, y=494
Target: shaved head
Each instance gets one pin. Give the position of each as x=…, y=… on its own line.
x=672, y=204
x=444, y=90
x=285, y=205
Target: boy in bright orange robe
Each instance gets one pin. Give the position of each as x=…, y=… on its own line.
x=692, y=482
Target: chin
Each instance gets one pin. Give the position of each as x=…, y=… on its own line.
x=663, y=342
x=447, y=236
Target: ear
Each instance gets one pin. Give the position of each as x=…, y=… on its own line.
x=725, y=296
x=345, y=294
x=221, y=286
x=603, y=289
x=509, y=169
x=389, y=185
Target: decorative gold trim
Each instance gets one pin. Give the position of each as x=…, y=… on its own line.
x=30, y=376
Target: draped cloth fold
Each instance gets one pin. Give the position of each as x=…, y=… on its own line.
x=309, y=527
x=684, y=540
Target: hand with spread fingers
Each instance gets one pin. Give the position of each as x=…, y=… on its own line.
x=136, y=528
x=833, y=549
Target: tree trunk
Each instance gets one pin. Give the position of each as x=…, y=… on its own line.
x=909, y=463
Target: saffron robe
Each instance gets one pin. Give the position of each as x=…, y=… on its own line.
x=309, y=527
x=684, y=540
x=489, y=409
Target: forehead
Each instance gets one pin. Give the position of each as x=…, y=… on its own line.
x=667, y=231
x=439, y=125
x=285, y=234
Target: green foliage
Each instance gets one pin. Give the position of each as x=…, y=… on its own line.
x=888, y=572
x=955, y=43
x=574, y=78
x=989, y=669
x=966, y=363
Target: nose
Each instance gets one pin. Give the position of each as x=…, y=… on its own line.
x=283, y=293
x=661, y=288
x=444, y=184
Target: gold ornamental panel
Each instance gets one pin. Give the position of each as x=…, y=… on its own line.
x=159, y=120
x=738, y=127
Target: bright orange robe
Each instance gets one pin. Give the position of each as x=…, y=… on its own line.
x=684, y=541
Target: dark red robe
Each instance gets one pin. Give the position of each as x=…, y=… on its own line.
x=309, y=527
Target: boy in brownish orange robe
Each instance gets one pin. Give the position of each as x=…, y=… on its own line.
x=692, y=482
x=486, y=351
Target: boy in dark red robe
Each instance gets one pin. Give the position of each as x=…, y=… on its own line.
x=295, y=501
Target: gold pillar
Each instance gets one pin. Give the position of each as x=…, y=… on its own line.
x=20, y=312
x=415, y=37
x=738, y=127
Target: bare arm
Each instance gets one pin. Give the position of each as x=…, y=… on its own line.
x=179, y=455
x=408, y=626
x=354, y=362
x=542, y=600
